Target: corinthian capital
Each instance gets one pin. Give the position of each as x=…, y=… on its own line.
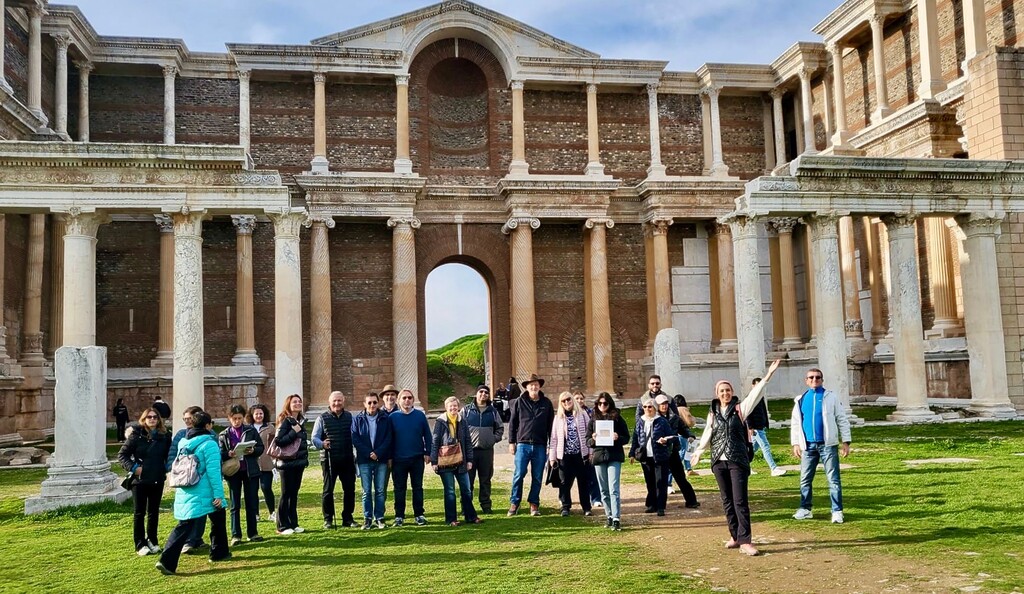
x=784, y=224
x=659, y=225
x=244, y=224
x=170, y=71
x=899, y=220
x=319, y=78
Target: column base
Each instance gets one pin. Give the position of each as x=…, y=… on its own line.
x=36, y=359
x=993, y=410
x=11, y=439
x=163, y=359
x=74, y=485
x=658, y=171
x=594, y=168
x=319, y=165
x=42, y=116
x=914, y=414
x=246, y=358
x=719, y=170
x=880, y=114
x=727, y=346
x=790, y=344
x=519, y=168
x=941, y=330
x=403, y=166
x=928, y=90
x=6, y=86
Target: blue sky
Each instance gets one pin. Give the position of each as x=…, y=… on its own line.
x=687, y=33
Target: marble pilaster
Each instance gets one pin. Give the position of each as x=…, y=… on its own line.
x=287, y=304
x=245, y=327
x=403, y=161
x=170, y=76
x=319, y=164
x=749, y=313
x=882, y=108
x=657, y=169
x=321, y=370
x=908, y=333
x=600, y=373
x=523, y=314
x=32, y=335
x=518, y=166
x=188, y=389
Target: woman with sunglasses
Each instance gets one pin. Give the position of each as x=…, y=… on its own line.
x=144, y=455
x=607, y=460
x=726, y=432
x=568, y=451
x=650, y=447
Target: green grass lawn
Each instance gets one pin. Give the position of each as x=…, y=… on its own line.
x=964, y=518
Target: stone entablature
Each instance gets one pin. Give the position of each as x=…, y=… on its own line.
x=802, y=55
x=361, y=195
x=853, y=15
x=556, y=197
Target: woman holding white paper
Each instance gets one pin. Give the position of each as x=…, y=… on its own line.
x=608, y=433
x=242, y=442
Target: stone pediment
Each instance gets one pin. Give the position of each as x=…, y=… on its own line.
x=507, y=38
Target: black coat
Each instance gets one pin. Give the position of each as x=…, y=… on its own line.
x=286, y=433
x=252, y=461
x=120, y=413
x=606, y=454
x=149, y=452
x=163, y=408
x=442, y=435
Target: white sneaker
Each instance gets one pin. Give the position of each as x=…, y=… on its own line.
x=143, y=551
x=286, y=532
x=803, y=514
x=299, y=530
x=837, y=517
x=273, y=516
x=153, y=548
x=671, y=490
x=778, y=471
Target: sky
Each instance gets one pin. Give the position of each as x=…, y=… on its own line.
x=687, y=33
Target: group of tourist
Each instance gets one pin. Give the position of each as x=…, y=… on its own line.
x=391, y=439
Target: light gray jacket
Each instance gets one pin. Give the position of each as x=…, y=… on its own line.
x=837, y=426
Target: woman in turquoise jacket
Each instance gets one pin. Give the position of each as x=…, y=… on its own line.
x=204, y=499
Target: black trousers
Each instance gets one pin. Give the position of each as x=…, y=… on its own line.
x=287, y=507
x=732, y=484
x=244, y=487
x=405, y=470
x=572, y=468
x=147, y=513
x=120, y=429
x=184, y=530
x=656, y=477
x=483, y=466
x=267, y=486
x=675, y=466
x=343, y=469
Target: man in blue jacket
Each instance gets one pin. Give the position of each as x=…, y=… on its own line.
x=373, y=439
x=412, y=452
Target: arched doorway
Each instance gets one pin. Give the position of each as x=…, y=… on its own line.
x=457, y=312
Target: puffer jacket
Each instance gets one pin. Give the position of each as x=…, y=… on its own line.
x=442, y=435
x=197, y=501
x=485, y=426
x=148, y=450
x=286, y=434
x=660, y=429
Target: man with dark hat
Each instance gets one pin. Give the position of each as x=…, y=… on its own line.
x=485, y=430
x=388, y=399
x=529, y=424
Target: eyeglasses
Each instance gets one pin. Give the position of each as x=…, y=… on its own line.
x=564, y=400
x=814, y=377
x=407, y=397
x=152, y=417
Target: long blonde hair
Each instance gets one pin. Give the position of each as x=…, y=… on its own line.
x=560, y=413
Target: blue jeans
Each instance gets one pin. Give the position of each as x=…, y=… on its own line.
x=372, y=476
x=608, y=481
x=829, y=457
x=761, y=441
x=684, y=452
x=533, y=455
x=448, y=479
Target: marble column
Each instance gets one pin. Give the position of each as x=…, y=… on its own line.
x=812, y=315
x=594, y=166
x=4, y=357
x=403, y=160
x=941, y=280
x=170, y=74
x=908, y=333
x=521, y=296
x=518, y=166
x=780, y=129
x=403, y=302
x=6, y=86
x=662, y=272
x=928, y=50
x=80, y=276
x=56, y=283
x=790, y=324
x=810, y=146
x=831, y=336
x=798, y=125
x=975, y=34
x=986, y=346
x=600, y=373
x=84, y=68
x=747, y=300
x=726, y=290
x=320, y=321
x=826, y=106
x=656, y=169
x=854, y=325
x=882, y=108
x=769, y=144
x=718, y=167
x=244, y=123
x=188, y=389
x=287, y=304
x=245, y=328
x=35, y=61
x=319, y=164
x=841, y=135
x=31, y=332
x=165, y=333
x=878, y=322
x=60, y=84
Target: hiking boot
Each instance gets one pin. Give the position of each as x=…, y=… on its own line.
x=513, y=509
x=534, y=509
x=803, y=514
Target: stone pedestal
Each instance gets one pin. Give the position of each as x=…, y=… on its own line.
x=666, y=361
x=79, y=472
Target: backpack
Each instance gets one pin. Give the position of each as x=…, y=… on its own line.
x=184, y=470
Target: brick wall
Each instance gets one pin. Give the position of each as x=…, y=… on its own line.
x=128, y=279
x=556, y=131
x=206, y=111
x=625, y=135
x=680, y=126
x=361, y=127
x=627, y=295
x=951, y=38
x=818, y=108
x=126, y=108
x=281, y=125
x=1010, y=263
x=558, y=292
x=1004, y=22
x=16, y=58
x=742, y=120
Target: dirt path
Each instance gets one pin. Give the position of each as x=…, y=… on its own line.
x=692, y=542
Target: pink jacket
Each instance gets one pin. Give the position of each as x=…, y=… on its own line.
x=556, y=447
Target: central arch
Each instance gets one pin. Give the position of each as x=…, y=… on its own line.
x=484, y=249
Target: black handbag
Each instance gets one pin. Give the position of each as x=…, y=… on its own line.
x=128, y=482
x=553, y=477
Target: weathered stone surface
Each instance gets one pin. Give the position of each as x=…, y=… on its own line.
x=666, y=361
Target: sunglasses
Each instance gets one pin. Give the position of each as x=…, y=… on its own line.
x=406, y=397
x=602, y=403
x=152, y=417
x=655, y=383
x=648, y=406
x=566, y=400
x=814, y=377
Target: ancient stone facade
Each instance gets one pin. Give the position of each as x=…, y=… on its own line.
x=596, y=197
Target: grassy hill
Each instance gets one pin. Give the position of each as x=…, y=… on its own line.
x=455, y=369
